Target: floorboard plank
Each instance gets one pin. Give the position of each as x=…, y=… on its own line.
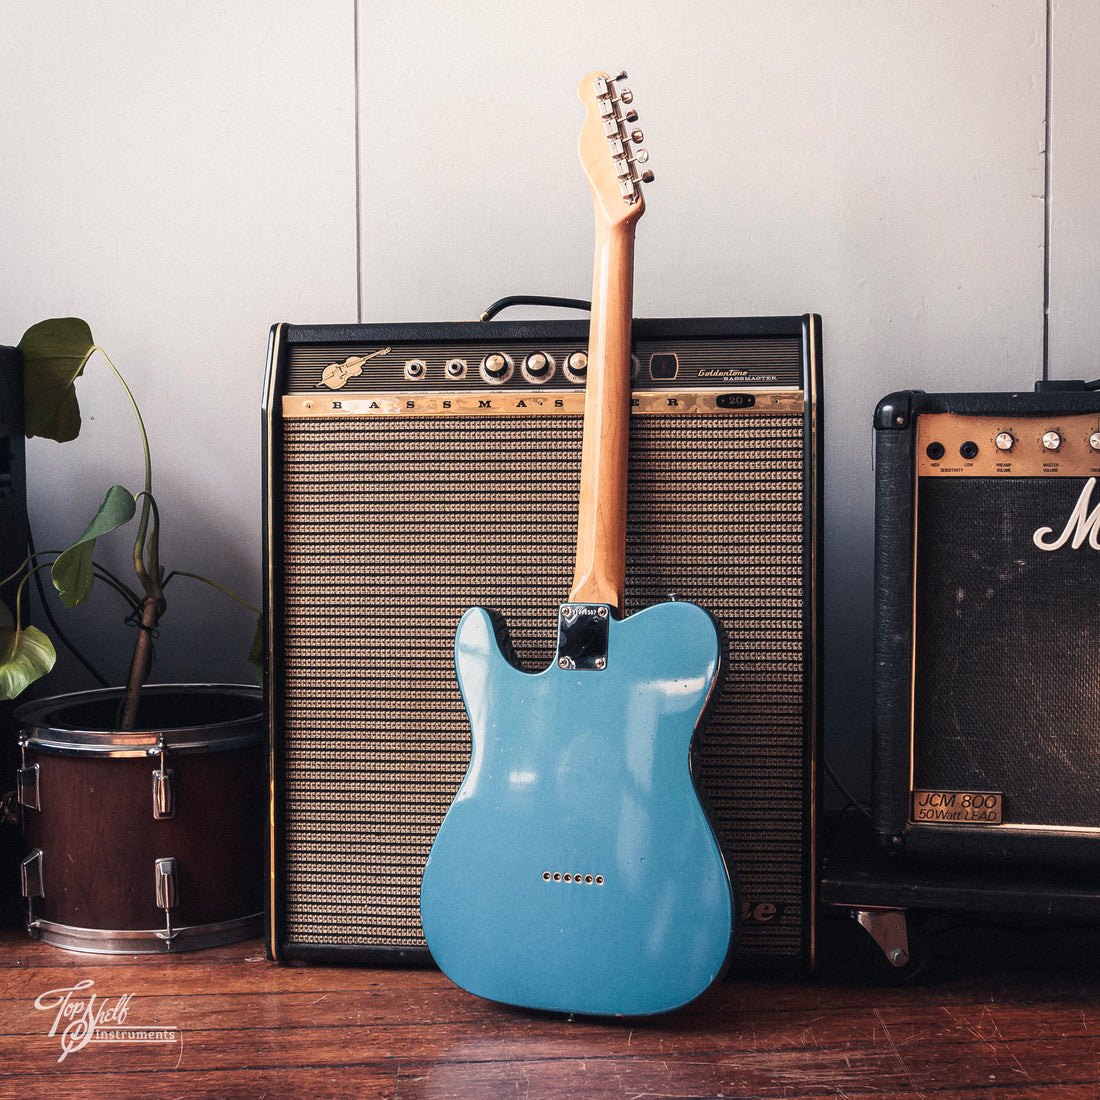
x=228, y=1023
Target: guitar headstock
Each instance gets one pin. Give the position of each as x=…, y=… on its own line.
x=606, y=144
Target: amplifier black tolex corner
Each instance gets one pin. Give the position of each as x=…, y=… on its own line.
x=987, y=626
x=413, y=471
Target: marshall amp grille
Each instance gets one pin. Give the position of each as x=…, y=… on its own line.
x=987, y=644
x=414, y=471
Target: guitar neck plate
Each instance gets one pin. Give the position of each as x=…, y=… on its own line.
x=582, y=636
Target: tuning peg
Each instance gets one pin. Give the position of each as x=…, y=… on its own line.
x=620, y=75
x=626, y=95
x=637, y=137
x=648, y=177
x=641, y=156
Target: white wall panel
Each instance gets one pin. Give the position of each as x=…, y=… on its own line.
x=1074, y=190
x=181, y=177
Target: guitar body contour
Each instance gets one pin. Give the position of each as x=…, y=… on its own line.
x=576, y=869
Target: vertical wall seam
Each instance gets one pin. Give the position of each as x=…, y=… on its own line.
x=358, y=170
x=1049, y=99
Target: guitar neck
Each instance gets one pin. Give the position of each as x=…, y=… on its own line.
x=604, y=147
x=600, y=575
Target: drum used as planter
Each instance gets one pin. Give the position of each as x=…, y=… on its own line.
x=144, y=841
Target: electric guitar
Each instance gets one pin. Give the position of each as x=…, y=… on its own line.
x=576, y=869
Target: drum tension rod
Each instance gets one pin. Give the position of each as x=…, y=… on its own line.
x=32, y=880
x=28, y=796
x=166, y=870
x=164, y=786
x=167, y=886
x=27, y=789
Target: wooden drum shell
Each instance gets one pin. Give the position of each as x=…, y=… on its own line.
x=96, y=838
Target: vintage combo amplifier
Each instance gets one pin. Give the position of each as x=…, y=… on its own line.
x=415, y=470
x=987, y=626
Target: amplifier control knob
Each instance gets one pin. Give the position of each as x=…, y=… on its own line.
x=1005, y=441
x=496, y=368
x=1051, y=441
x=538, y=367
x=576, y=366
x=1094, y=441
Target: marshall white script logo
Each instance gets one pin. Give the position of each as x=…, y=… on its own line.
x=1081, y=525
x=80, y=1019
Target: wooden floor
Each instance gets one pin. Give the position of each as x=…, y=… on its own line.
x=1000, y=1014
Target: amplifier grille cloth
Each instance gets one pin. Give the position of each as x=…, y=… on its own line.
x=1005, y=652
x=392, y=529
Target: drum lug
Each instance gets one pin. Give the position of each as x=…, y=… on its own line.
x=27, y=789
x=30, y=871
x=164, y=793
x=167, y=886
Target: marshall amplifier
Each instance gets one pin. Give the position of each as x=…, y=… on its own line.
x=413, y=471
x=987, y=626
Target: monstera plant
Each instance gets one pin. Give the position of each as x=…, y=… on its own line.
x=55, y=353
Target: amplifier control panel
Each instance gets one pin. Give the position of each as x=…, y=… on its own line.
x=953, y=445
x=459, y=356
x=492, y=369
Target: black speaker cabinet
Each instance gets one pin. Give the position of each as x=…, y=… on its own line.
x=413, y=471
x=13, y=549
x=13, y=474
x=987, y=626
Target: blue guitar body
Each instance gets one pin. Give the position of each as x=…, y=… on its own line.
x=576, y=870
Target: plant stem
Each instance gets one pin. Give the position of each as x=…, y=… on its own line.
x=139, y=665
x=148, y=572
x=26, y=564
x=213, y=584
x=17, y=613
x=123, y=589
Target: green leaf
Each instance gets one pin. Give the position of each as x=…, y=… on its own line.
x=24, y=657
x=72, y=573
x=54, y=353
